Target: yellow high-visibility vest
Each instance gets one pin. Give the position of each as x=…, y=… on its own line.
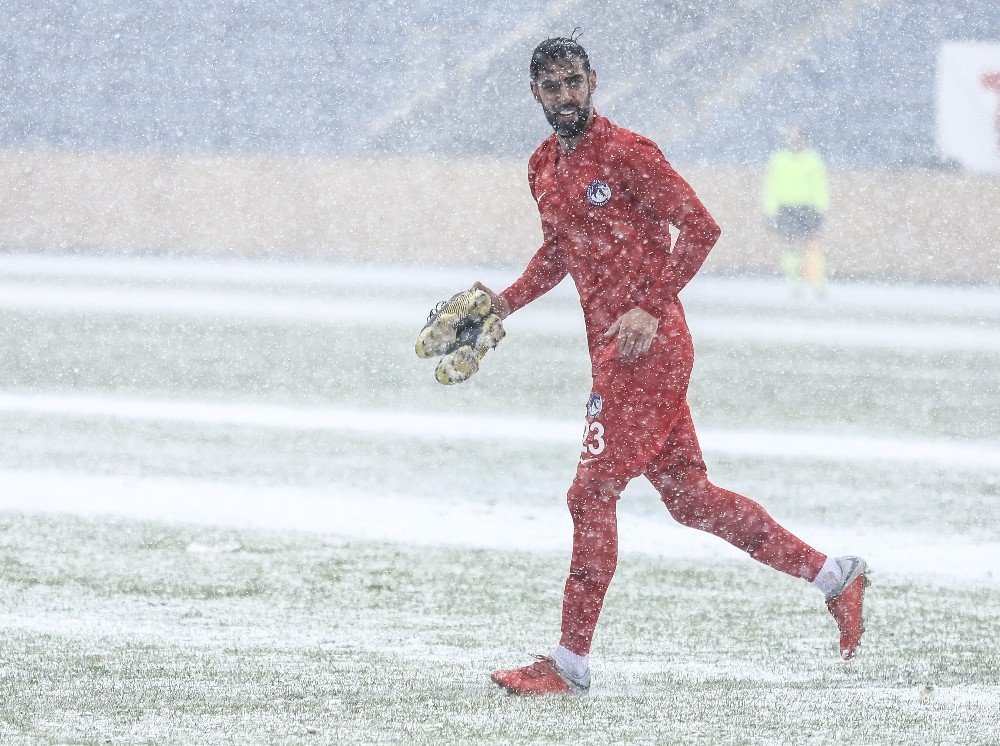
x=795, y=180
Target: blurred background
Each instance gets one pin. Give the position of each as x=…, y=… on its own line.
x=399, y=131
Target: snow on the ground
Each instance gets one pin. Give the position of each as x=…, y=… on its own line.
x=940, y=319
x=454, y=521
x=822, y=446
x=260, y=305
x=757, y=292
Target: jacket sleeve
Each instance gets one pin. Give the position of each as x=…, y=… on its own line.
x=545, y=270
x=661, y=191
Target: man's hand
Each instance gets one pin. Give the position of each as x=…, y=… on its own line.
x=500, y=305
x=636, y=330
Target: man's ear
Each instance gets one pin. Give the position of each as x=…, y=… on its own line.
x=534, y=92
x=593, y=79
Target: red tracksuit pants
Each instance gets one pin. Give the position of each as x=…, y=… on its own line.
x=677, y=471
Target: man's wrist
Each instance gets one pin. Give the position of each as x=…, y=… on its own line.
x=503, y=308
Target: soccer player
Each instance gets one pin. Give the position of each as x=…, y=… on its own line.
x=606, y=197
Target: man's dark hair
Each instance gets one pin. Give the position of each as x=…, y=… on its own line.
x=558, y=48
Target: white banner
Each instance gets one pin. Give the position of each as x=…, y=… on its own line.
x=968, y=104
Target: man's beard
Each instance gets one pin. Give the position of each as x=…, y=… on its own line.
x=572, y=128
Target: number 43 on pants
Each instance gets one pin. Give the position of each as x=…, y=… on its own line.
x=593, y=439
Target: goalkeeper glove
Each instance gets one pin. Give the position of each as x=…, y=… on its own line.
x=463, y=329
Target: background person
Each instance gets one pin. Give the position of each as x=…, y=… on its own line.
x=795, y=201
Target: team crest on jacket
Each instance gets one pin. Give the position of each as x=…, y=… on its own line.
x=594, y=405
x=599, y=193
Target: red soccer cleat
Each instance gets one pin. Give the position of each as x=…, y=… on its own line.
x=539, y=679
x=846, y=604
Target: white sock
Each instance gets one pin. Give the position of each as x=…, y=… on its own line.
x=576, y=666
x=830, y=576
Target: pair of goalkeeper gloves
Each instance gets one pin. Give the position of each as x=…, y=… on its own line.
x=462, y=329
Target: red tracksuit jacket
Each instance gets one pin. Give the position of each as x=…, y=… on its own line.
x=605, y=211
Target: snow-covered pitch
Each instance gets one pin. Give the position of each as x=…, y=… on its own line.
x=236, y=507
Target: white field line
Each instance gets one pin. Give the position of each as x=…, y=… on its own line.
x=228, y=304
x=939, y=452
x=983, y=302
x=236, y=272
x=428, y=521
x=207, y=303
x=847, y=334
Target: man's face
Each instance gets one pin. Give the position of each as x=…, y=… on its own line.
x=564, y=89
